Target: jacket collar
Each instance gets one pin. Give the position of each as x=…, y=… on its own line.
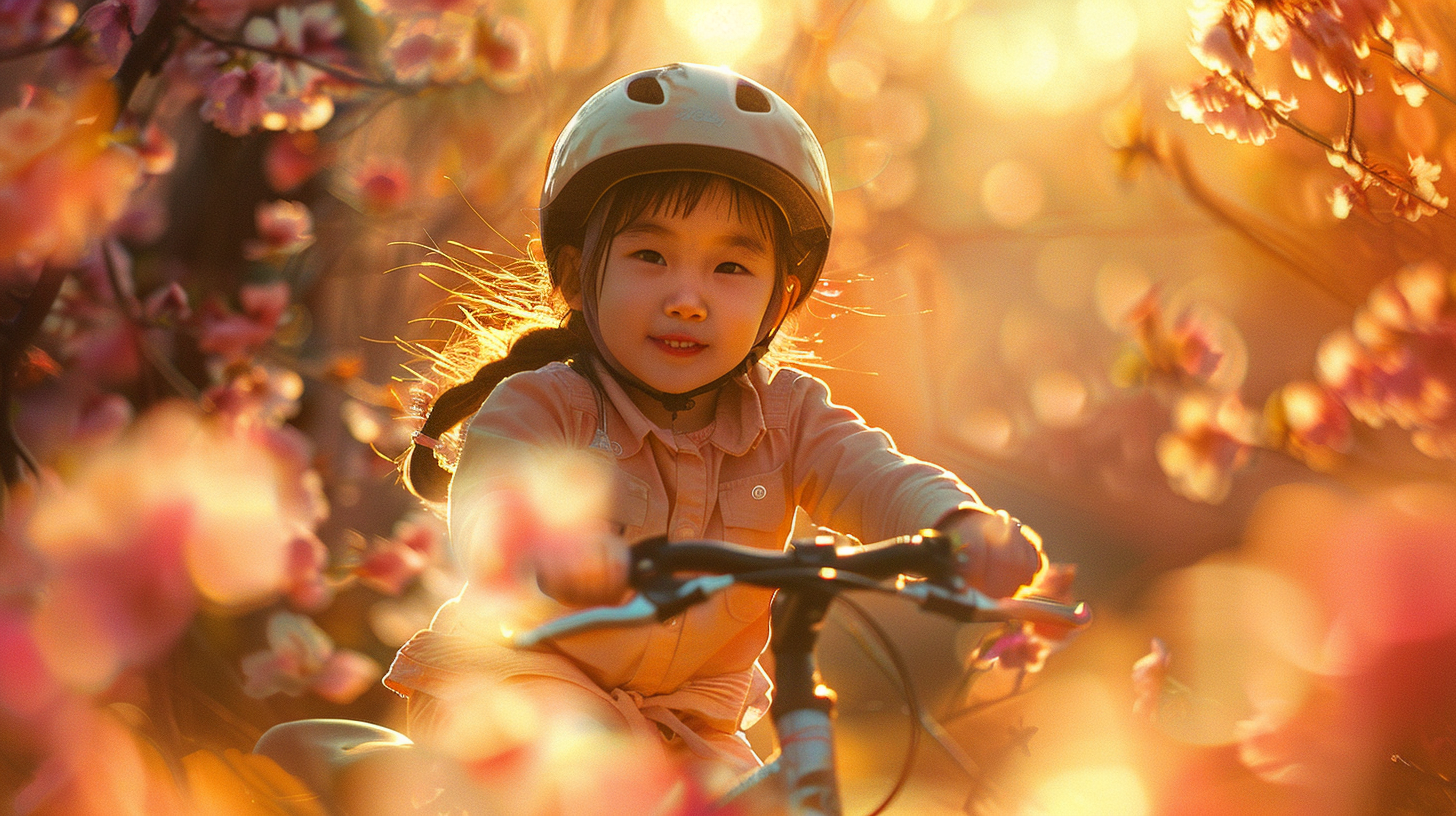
x=738, y=422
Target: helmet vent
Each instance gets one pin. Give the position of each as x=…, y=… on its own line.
x=750, y=98
x=646, y=89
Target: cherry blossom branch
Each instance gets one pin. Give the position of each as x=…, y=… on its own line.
x=15, y=337
x=74, y=33
x=336, y=71
x=1174, y=160
x=149, y=50
x=1387, y=50
x=1347, y=151
x=131, y=309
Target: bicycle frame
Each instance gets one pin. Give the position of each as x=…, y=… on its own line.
x=325, y=753
x=807, y=578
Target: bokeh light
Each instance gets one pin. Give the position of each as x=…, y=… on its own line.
x=1012, y=193
x=722, y=30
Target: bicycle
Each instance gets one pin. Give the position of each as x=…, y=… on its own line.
x=924, y=568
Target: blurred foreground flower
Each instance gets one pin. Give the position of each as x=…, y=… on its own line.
x=521, y=749
x=302, y=657
x=64, y=178
x=177, y=513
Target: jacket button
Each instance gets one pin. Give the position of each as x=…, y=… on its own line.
x=759, y=491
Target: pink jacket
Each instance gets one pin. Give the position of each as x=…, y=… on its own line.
x=778, y=443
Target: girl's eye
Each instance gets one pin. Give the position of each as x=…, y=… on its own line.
x=731, y=268
x=651, y=256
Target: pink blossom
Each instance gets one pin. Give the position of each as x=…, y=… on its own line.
x=1224, y=49
x=256, y=395
x=1149, y=676
x=1320, y=45
x=389, y=565
x=308, y=587
x=1229, y=110
x=432, y=7
x=293, y=158
x=432, y=49
x=1347, y=198
x=157, y=149
x=504, y=57
x=302, y=657
x=98, y=766
x=312, y=31
x=25, y=22
x=111, y=604
x=1362, y=18
x=1195, y=348
x=1016, y=647
x=28, y=689
x=234, y=336
x=381, y=186
x=1212, y=437
x=1312, y=422
x=167, y=305
x=115, y=23
x=1423, y=199
x=63, y=179
x=284, y=228
x=237, y=99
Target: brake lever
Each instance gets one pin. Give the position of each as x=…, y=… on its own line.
x=969, y=605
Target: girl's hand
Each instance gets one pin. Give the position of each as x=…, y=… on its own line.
x=586, y=569
x=1001, y=555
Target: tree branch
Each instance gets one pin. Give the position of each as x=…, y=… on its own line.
x=15, y=337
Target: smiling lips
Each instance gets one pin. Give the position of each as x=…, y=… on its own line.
x=678, y=345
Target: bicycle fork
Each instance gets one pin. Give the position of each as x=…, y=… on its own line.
x=803, y=708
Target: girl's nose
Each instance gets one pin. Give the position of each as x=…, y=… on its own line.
x=685, y=302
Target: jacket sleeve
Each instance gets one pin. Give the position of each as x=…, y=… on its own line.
x=851, y=478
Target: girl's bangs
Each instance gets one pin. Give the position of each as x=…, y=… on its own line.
x=678, y=194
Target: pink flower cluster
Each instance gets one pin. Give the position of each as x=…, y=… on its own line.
x=1329, y=38
x=64, y=178
x=28, y=22
x=1195, y=360
x=302, y=657
x=455, y=47
x=1397, y=363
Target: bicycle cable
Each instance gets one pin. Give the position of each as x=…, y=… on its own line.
x=900, y=672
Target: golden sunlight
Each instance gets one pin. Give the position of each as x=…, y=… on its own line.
x=912, y=11
x=724, y=29
x=1113, y=790
x=1004, y=60
x=1108, y=29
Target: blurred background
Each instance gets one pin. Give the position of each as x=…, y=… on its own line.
x=1171, y=283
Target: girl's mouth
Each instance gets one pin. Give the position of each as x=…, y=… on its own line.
x=677, y=345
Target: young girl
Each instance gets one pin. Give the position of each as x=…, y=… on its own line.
x=686, y=214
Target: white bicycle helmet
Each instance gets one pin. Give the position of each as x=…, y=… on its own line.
x=697, y=118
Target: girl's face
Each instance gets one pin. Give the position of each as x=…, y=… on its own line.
x=683, y=296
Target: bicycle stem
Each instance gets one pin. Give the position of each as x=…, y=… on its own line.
x=803, y=709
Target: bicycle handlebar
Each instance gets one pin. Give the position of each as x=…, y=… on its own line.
x=922, y=566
